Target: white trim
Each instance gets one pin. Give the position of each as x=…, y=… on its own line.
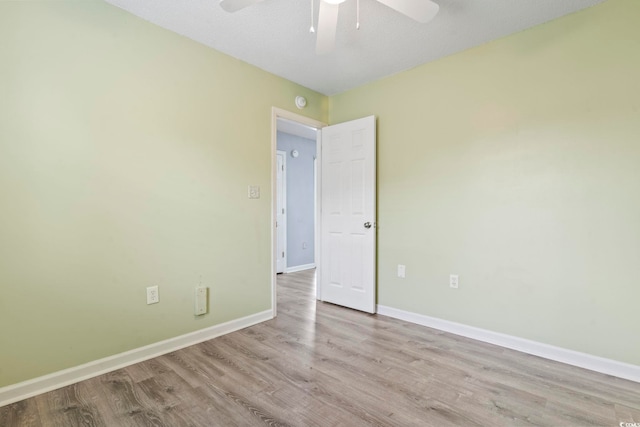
x=318, y=208
x=285, y=216
x=283, y=114
x=23, y=390
x=301, y=267
x=570, y=357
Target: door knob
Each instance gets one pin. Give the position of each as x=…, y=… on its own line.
x=367, y=225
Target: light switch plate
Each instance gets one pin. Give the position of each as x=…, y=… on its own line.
x=402, y=271
x=453, y=281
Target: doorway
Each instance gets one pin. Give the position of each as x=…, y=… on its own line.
x=289, y=131
x=345, y=189
x=296, y=217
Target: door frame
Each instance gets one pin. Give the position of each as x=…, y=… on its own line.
x=278, y=113
x=284, y=206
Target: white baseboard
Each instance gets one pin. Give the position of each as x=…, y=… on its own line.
x=23, y=390
x=300, y=267
x=570, y=357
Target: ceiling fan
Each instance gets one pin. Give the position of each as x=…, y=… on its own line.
x=418, y=10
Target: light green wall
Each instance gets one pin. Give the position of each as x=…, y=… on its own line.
x=126, y=150
x=125, y=155
x=517, y=166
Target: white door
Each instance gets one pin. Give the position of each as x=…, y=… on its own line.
x=281, y=218
x=348, y=217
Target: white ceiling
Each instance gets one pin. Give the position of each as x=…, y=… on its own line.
x=274, y=34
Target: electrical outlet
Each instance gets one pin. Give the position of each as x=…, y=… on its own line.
x=153, y=296
x=453, y=281
x=201, y=301
x=254, y=191
x=402, y=271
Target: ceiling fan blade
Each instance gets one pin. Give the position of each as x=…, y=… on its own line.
x=327, y=23
x=235, y=5
x=418, y=10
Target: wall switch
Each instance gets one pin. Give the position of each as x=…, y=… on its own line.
x=304, y=245
x=153, y=296
x=402, y=271
x=254, y=192
x=453, y=281
x=201, y=300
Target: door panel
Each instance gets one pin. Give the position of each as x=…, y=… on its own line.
x=348, y=193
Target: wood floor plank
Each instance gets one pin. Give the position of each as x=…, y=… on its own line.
x=319, y=364
x=70, y=406
x=626, y=414
x=23, y=414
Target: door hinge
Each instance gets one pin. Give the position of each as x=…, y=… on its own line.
x=282, y=254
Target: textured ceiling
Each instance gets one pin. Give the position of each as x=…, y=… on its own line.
x=274, y=34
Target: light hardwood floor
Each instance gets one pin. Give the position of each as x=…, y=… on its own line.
x=318, y=364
